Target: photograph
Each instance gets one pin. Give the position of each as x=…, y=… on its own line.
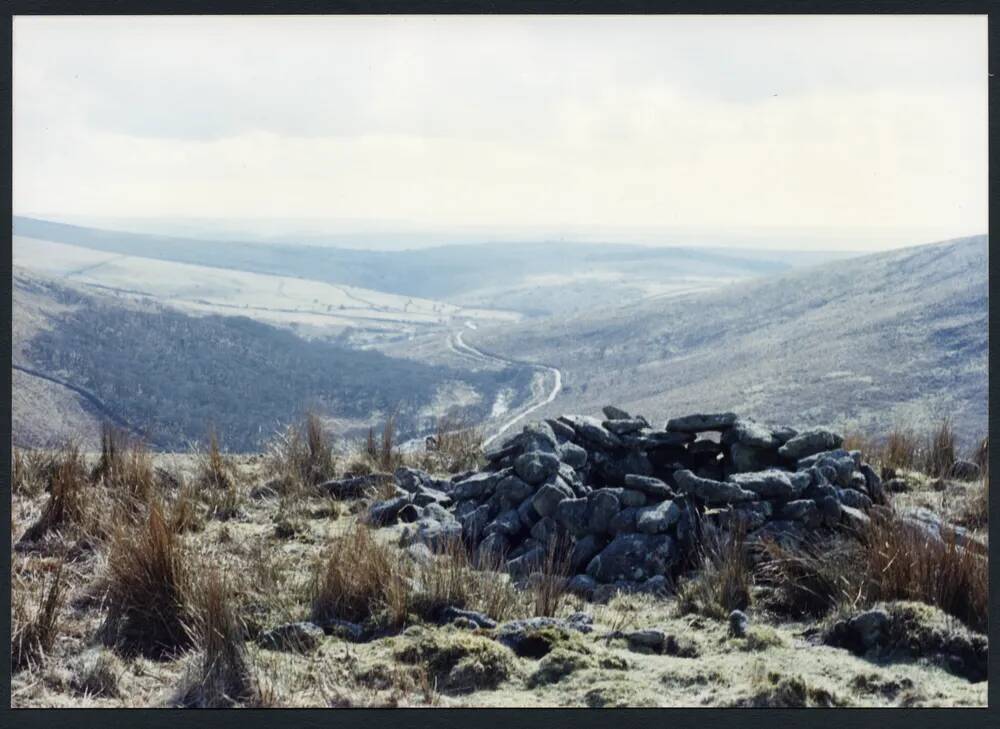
x=499, y=361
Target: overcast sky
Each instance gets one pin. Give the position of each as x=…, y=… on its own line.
x=873, y=129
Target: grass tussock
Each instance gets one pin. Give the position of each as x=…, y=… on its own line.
x=125, y=468
x=32, y=471
x=455, y=447
x=548, y=583
x=222, y=674
x=363, y=580
x=68, y=504
x=301, y=456
x=34, y=627
x=381, y=450
x=147, y=589
x=933, y=453
x=725, y=579
x=891, y=560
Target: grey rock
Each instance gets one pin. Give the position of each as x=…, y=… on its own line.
x=810, y=461
x=354, y=487
x=753, y=434
x=527, y=514
x=931, y=525
x=571, y=514
x=657, y=439
x=709, y=491
x=809, y=442
x=631, y=497
x=301, y=637
x=613, y=413
x=590, y=430
x=700, y=423
x=548, y=497
x=802, y=510
x=435, y=534
x=526, y=636
x=584, y=550
x=870, y=627
x=602, y=505
x=873, y=484
x=527, y=563
x=344, y=629
x=572, y=454
x=624, y=521
x=513, y=489
x=544, y=530
x=856, y=499
x=493, y=548
x=652, y=487
x=411, y=513
x=739, y=624
x=633, y=557
x=508, y=524
x=581, y=585
x=829, y=510
x=649, y=640
x=773, y=483
x=658, y=519
x=656, y=585
x=747, y=458
x=705, y=446
x=481, y=620
x=853, y=519
x=474, y=523
x=560, y=429
x=964, y=470
x=624, y=427
x=536, y=466
x=749, y=515
x=478, y=487
x=784, y=434
x=427, y=495
x=384, y=513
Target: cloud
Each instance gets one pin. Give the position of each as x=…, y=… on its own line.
x=873, y=122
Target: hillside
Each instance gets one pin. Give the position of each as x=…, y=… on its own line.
x=867, y=343
x=81, y=358
x=534, y=278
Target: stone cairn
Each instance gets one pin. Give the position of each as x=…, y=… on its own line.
x=631, y=501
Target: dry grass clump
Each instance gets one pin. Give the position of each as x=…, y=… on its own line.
x=185, y=514
x=904, y=449
x=725, y=579
x=381, y=451
x=215, y=471
x=892, y=560
x=548, y=584
x=362, y=580
x=67, y=504
x=34, y=628
x=454, y=447
x=147, y=589
x=125, y=468
x=221, y=676
x=775, y=690
x=975, y=512
x=32, y=471
x=301, y=456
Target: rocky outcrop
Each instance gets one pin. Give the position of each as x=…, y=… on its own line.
x=630, y=499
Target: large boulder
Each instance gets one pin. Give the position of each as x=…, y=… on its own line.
x=773, y=483
x=710, y=491
x=654, y=488
x=633, y=557
x=602, y=506
x=536, y=466
x=658, y=519
x=810, y=442
x=548, y=497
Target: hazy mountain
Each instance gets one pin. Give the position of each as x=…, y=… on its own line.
x=534, y=278
x=893, y=338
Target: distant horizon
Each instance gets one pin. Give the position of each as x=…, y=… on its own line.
x=406, y=235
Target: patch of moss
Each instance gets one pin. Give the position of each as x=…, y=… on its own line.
x=759, y=638
x=558, y=664
x=459, y=661
x=773, y=690
x=619, y=693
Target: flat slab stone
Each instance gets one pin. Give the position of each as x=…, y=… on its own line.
x=710, y=491
x=701, y=422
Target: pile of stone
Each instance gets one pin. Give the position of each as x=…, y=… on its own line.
x=632, y=500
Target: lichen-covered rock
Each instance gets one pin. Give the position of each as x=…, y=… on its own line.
x=654, y=488
x=658, y=519
x=602, y=506
x=773, y=483
x=535, y=467
x=633, y=557
x=710, y=491
x=810, y=442
x=701, y=422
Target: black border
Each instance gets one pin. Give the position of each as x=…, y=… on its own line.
x=709, y=718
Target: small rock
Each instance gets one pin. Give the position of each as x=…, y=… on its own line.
x=451, y=613
x=652, y=487
x=613, y=413
x=301, y=637
x=964, y=471
x=573, y=455
x=739, y=623
x=810, y=442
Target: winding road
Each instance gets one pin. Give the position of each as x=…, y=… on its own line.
x=459, y=346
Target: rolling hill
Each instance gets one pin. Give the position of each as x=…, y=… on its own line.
x=867, y=343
